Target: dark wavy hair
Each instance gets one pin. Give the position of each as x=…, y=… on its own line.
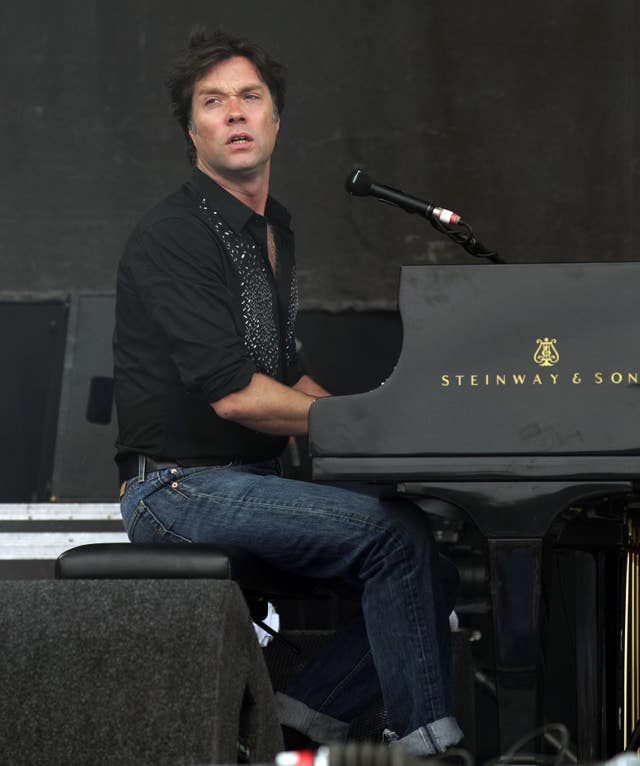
x=205, y=50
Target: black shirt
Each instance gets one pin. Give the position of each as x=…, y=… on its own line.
x=198, y=312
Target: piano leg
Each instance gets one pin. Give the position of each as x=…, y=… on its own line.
x=515, y=569
x=515, y=517
x=590, y=691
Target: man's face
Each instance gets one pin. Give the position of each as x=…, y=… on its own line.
x=233, y=121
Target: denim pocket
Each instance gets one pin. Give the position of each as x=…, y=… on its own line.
x=145, y=527
x=194, y=483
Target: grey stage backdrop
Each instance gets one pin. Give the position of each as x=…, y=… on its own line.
x=521, y=115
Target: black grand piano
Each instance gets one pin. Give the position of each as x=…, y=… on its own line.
x=515, y=398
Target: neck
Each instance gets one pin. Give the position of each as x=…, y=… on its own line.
x=252, y=190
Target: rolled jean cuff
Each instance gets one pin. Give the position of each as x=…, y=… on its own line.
x=430, y=739
x=317, y=726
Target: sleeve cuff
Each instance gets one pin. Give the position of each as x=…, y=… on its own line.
x=218, y=388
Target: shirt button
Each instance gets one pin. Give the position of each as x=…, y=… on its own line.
x=174, y=484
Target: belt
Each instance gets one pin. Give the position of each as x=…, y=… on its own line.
x=141, y=465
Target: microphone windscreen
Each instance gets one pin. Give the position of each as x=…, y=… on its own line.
x=358, y=182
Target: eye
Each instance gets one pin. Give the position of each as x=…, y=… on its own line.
x=211, y=101
x=252, y=97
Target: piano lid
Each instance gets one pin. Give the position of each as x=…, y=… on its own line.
x=535, y=359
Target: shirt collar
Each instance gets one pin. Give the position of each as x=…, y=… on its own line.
x=236, y=213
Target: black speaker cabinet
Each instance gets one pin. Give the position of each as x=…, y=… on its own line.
x=131, y=672
x=83, y=465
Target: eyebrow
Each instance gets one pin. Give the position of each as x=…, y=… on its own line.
x=218, y=92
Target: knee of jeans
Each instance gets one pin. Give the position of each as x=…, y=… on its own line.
x=400, y=536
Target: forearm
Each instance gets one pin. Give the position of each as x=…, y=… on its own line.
x=308, y=386
x=268, y=406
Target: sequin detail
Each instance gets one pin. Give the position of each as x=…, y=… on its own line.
x=290, y=339
x=261, y=336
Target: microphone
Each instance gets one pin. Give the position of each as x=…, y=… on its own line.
x=360, y=185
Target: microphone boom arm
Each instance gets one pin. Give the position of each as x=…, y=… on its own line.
x=446, y=222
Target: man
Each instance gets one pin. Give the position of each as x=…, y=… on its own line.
x=209, y=388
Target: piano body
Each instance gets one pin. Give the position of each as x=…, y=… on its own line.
x=516, y=397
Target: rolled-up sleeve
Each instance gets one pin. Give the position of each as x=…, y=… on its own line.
x=179, y=270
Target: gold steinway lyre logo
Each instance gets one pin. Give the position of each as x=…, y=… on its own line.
x=546, y=354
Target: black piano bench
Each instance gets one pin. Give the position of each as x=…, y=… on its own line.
x=258, y=581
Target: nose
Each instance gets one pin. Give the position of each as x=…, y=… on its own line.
x=235, y=113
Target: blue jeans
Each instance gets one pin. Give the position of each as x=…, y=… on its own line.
x=402, y=643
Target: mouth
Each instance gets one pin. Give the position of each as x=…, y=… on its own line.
x=240, y=139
